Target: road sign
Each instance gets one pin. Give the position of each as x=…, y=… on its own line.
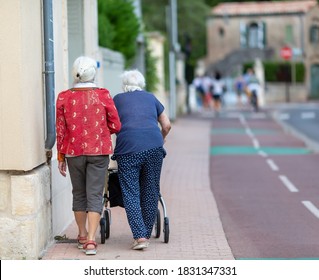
x=296, y=52
x=286, y=53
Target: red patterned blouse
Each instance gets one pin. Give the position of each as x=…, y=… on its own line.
x=85, y=120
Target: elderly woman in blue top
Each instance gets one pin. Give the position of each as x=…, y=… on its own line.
x=139, y=154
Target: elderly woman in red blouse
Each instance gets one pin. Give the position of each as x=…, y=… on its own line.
x=85, y=120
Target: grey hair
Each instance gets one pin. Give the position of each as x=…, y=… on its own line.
x=132, y=80
x=84, y=69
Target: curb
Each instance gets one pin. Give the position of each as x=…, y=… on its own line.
x=311, y=144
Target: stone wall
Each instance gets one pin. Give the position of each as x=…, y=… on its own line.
x=278, y=92
x=25, y=213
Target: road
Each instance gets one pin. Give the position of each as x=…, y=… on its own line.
x=302, y=120
x=265, y=182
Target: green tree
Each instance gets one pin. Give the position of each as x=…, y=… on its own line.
x=213, y=3
x=118, y=27
x=191, y=20
x=192, y=28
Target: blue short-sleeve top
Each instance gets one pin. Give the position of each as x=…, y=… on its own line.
x=138, y=112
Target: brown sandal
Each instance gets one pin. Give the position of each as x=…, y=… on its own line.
x=91, y=251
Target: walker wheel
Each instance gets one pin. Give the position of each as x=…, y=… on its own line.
x=166, y=229
x=107, y=223
x=102, y=230
x=157, y=225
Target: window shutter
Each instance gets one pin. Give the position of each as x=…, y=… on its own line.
x=314, y=34
x=243, y=34
x=262, y=35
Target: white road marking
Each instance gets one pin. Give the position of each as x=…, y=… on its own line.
x=290, y=186
x=272, y=165
x=284, y=116
x=308, y=115
x=242, y=120
x=262, y=153
x=258, y=116
x=256, y=143
x=313, y=209
x=249, y=132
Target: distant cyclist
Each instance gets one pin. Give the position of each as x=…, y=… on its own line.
x=252, y=88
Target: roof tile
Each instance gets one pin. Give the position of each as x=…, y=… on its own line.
x=244, y=8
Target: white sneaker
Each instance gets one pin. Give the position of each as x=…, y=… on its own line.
x=140, y=245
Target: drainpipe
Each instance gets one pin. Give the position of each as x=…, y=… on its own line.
x=49, y=75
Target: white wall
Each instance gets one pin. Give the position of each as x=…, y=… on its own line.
x=21, y=88
x=25, y=209
x=108, y=75
x=156, y=45
x=36, y=201
x=278, y=92
x=112, y=66
x=61, y=191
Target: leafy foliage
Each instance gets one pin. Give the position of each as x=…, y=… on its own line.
x=154, y=15
x=192, y=28
x=118, y=27
x=278, y=71
x=191, y=17
x=213, y=3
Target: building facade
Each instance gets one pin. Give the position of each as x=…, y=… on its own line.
x=42, y=39
x=240, y=32
x=35, y=200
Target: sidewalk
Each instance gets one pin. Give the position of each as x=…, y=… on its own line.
x=196, y=232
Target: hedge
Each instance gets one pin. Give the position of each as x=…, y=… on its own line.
x=281, y=71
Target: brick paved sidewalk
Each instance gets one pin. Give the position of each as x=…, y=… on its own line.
x=195, y=227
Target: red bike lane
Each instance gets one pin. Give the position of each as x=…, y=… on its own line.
x=265, y=182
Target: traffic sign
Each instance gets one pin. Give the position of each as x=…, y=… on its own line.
x=286, y=53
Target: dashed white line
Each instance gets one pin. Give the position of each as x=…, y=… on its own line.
x=256, y=143
x=249, y=132
x=308, y=115
x=259, y=116
x=284, y=116
x=272, y=165
x=290, y=186
x=313, y=209
x=262, y=153
x=242, y=120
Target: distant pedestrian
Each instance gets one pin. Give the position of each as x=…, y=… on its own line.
x=139, y=154
x=85, y=119
x=207, y=84
x=218, y=90
x=200, y=92
x=239, y=88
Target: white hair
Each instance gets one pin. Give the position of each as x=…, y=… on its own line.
x=84, y=69
x=132, y=80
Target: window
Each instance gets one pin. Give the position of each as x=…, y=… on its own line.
x=253, y=35
x=314, y=34
x=289, y=35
